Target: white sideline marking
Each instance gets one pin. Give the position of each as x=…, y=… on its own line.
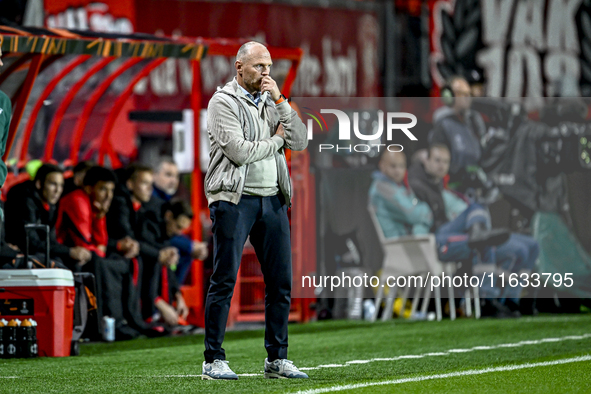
x=198, y=376
x=550, y=319
x=447, y=375
x=416, y=356
x=451, y=351
x=8, y=377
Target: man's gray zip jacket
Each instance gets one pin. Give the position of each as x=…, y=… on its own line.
x=241, y=134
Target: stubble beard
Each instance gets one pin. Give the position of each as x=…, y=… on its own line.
x=251, y=83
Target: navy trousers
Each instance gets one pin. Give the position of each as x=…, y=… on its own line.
x=265, y=220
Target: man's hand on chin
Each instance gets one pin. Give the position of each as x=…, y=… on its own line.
x=269, y=85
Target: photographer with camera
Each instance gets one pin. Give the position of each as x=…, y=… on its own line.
x=458, y=127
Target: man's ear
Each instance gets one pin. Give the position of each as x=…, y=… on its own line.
x=238, y=65
x=129, y=184
x=38, y=184
x=88, y=189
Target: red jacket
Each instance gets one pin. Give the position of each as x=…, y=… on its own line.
x=78, y=225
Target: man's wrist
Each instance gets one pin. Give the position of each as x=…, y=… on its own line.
x=281, y=99
x=279, y=141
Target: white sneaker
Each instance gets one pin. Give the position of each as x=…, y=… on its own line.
x=218, y=369
x=282, y=369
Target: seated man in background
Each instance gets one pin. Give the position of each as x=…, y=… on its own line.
x=81, y=222
x=166, y=179
x=169, y=304
x=34, y=202
x=462, y=228
x=9, y=253
x=397, y=209
x=129, y=221
x=77, y=179
x=166, y=184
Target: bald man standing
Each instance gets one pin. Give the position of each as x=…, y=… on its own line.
x=250, y=124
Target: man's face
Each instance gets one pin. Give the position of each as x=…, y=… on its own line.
x=462, y=94
x=393, y=165
x=79, y=177
x=167, y=179
x=52, y=188
x=255, y=66
x=141, y=186
x=477, y=90
x=176, y=226
x=437, y=165
x=102, y=193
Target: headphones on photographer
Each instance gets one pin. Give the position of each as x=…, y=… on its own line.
x=447, y=94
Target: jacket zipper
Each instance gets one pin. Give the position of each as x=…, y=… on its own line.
x=288, y=178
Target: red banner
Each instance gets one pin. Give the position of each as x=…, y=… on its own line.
x=341, y=46
x=111, y=16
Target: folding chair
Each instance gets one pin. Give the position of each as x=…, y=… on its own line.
x=411, y=256
x=407, y=256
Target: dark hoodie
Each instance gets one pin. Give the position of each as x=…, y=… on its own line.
x=24, y=206
x=429, y=191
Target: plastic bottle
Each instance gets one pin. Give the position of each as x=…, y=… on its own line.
x=28, y=339
x=108, y=328
x=11, y=345
x=3, y=324
x=35, y=346
x=369, y=308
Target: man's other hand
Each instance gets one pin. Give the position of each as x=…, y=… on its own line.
x=199, y=250
x=80, y=254
x=128, y=247
x=280, y=131
x=168, y=256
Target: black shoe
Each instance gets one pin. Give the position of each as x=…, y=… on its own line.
x=527, y=307
x=479, y=237
x=156, y=330
x=514, y=308
x=490, y=307
x=124, y=333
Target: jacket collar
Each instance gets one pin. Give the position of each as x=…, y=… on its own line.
x=161, y=193
x=234, y=89
x=418, y=171
x=379, y=176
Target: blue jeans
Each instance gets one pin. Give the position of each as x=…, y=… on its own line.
x=265, y=220
x=452, y=237
x=452, y=245
x=517, y=255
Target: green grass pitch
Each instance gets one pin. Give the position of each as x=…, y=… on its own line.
x=544, y=354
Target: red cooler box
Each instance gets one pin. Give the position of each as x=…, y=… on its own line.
x=47, y=296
